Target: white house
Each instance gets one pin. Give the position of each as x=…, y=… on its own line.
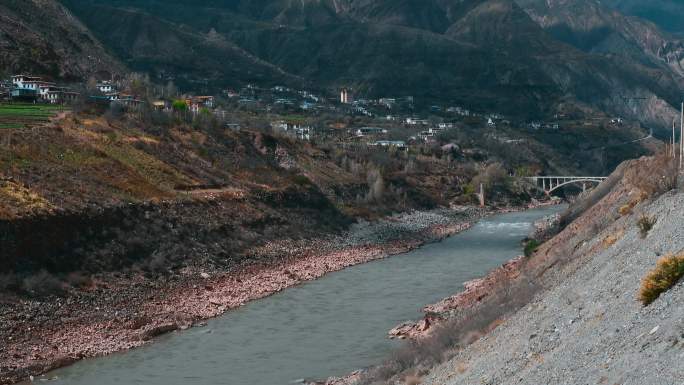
x=20, y=81
x=105, y=87
x=365, y=131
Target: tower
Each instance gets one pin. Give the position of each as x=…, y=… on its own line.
x=344, y=96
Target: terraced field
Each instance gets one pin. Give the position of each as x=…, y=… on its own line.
x=26, y=115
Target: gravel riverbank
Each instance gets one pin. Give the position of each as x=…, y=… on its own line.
x=120, y=313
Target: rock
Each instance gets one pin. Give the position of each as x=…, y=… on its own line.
x=205, y=275
x=157, y=330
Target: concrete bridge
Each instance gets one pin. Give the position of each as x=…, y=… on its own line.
x=553, y=183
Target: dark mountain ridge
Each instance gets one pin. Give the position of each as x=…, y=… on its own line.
x=488, y=55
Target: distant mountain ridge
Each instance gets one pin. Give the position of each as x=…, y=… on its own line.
x=520, y=58
x=667, y=14
x=596, y=28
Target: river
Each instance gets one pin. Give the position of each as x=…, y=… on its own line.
x=327, y=327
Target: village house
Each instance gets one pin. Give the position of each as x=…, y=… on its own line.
x=368, y=131
x=417, y=122
x=303, y=132
x=459, y=111
x=196, y=103
x=34, y=88
x=445, y=126
x=25, y=81
x=388, y=103
x=398, y=144
x=128, y=101
x=233, y=126
x=279, y=125
x=105, y=87
x=59, y=95
x=230, y=93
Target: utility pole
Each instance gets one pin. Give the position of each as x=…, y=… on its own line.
x=482, y=195
x=681, y=139
x=672, y=141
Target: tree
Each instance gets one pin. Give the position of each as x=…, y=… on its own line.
x=179, y=105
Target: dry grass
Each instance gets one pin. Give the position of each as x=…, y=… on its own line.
x=625, y=210
x=669, y=270
x=15, y=198
x=611, y=239
x=645, y=224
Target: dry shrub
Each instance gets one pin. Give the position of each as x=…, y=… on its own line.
x=645, y=224
x=667, y=273
x=43, y=284
x=626, y=209
x=611, y=239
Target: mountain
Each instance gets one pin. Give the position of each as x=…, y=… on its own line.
x=596, y=28
x=42, y=37
x=490, y=55
x=667, y=14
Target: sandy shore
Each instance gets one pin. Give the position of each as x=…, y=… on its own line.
x=120, y=313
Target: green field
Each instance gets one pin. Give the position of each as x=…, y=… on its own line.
x=15, y=116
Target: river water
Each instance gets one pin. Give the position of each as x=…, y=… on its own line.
x=328, y=327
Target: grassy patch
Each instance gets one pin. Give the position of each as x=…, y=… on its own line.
x=667, y=273
x=16, y=116
x=531, y=247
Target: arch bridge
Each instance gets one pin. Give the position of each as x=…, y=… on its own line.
x=553, y=183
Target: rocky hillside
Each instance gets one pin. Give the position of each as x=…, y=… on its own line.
x=433, y=50
x=667, y=14
x=594, y=27
x=42, y=37
x=588, y=325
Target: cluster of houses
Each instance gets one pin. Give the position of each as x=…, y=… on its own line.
x=33, y=89
x=110, y=95
x=298, y=131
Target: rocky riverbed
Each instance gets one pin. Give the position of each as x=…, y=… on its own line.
x=120, y=312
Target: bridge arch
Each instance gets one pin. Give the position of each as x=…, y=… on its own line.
x=553, y=183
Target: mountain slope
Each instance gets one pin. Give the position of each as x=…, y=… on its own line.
x=593, y=27
x=42, y=37
x=485, y=54
x=667, y=14
x=586, y=324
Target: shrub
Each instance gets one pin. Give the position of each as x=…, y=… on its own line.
x=611, y=239
x=301, y=180
x=78, y=279
x=645, y=224
x=624, y=210
x=42, y=284
x=531, y=247
x=667, y=273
